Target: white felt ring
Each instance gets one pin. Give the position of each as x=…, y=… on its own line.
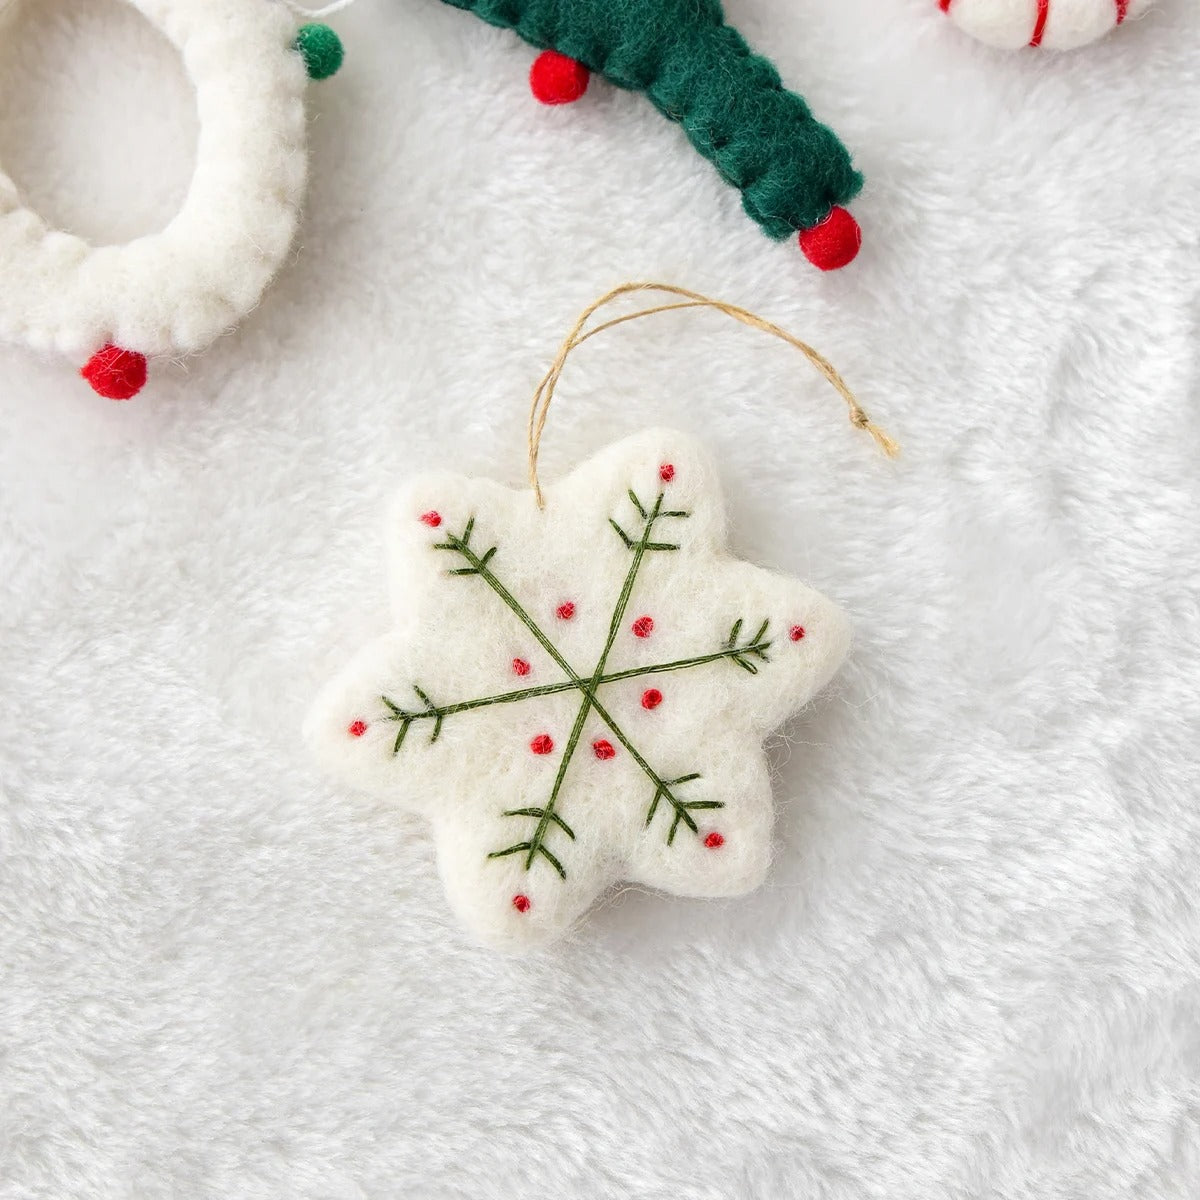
x=175, y=291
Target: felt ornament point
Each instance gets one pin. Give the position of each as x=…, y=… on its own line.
x=834, y=243
x=116, y=374
x=557, y=79
x=519, y=813
x=321, y=50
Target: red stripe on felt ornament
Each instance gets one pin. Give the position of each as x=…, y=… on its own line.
x=1039, y=29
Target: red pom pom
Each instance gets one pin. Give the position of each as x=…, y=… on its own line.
x=432, y=519
x=604, y=750
x=557, y=79
x=521, y=667
x=357, y=729
x=651, y=698
x=116, y=374
x=565, y=612
x=666, y=472
x=797, y=634
x=833, y=243
x=714, y=841
x=522, y=904
x=542, y=744
x=643, y=627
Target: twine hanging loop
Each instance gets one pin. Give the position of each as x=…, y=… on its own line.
x=542, y=398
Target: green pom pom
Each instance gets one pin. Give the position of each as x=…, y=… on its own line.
x=321, y=49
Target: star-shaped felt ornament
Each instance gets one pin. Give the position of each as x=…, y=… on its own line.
x=578, y=695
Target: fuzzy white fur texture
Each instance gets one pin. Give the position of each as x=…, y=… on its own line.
x=1064, y=25
x=972, y=972
x=175, y=291
x=622, y=583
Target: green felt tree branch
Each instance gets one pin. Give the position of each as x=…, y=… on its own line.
x=698, y=71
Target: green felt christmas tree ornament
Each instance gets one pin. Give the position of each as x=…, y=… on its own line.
x=794, y=174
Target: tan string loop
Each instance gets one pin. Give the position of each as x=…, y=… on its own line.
x=542, y=398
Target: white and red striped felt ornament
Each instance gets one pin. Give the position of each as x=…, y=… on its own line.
x=1050, y=24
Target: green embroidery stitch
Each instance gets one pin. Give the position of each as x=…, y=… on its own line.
x=437, y=714
x=737, y=650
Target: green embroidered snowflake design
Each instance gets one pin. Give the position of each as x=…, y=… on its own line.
x=739, y=650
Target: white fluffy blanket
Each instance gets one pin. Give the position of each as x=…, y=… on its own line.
x=974, y=969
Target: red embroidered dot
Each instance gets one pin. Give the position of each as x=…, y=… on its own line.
x=565, y=612
x=542, y=744
x=666, y=472
x=432, y=519
x=604, y=750
x=651, y=698
x=521, y=667
x=643, y=627
x=797, y=634
x=522, y=903
x=357, y=729
x=714, y=841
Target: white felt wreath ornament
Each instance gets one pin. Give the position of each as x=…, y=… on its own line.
x=176, y=291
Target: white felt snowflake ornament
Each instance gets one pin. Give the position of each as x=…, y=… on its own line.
x=579, y=695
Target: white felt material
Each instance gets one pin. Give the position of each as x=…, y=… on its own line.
x=1068, y=23
x=972, y=971
x=174, y=291
x=641, y=601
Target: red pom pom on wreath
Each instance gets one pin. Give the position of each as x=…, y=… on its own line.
x=116, y=374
